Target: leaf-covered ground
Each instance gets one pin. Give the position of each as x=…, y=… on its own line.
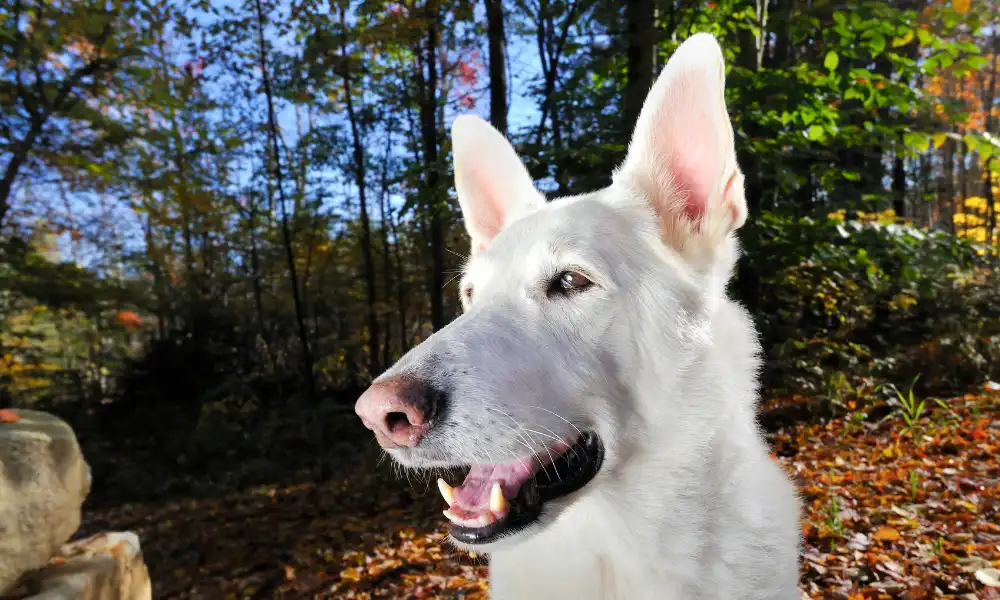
x=892, y=511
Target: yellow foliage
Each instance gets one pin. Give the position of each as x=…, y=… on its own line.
x=976, y=234
x=967, y=219
x=884, y=217
x=976, y=203
x=902, y=302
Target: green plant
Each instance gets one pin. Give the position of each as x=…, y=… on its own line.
x=950, y=416
x=912, y=408
x=914, y=484
x=832, y=514
x=938, y=546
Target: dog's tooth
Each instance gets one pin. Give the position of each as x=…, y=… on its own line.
x=498, y=503
x=453, y=517
x=447, y=491
x=485, y=519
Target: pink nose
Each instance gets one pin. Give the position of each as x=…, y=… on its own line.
x=397, y=410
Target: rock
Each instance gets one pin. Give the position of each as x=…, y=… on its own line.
x=107, y=566
x=43, y=483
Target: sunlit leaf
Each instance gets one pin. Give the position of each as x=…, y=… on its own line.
x=831, y=61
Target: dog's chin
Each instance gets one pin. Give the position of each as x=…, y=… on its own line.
x=528, y=504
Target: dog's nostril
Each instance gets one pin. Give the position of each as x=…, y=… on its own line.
x=397, y=421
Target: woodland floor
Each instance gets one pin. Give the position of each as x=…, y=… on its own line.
x=891, y=512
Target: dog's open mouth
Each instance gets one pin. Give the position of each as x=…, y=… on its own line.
x=497, y=500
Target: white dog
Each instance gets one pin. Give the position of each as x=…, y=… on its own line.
x=600, y=385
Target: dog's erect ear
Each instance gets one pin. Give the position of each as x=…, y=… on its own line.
x=492, y=184
x=682, y=158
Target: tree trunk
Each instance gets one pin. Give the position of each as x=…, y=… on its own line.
x=990, y=100
x=386, y=255
x=550, y=49
x=751, y=57
x=258, y=296
x=498, y=66
x=947, y=198
x=899, y=179
x=428, y=84
x=275, y=151
x=20, y=155
x=366, y=233
x=551, y=44
x=641, y=15
x=404, y=338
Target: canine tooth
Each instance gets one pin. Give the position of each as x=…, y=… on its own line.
x=447, y=491
x=498, y=503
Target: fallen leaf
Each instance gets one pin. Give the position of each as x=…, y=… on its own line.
x=988, y=577
x=886, y=534
x=9, y=416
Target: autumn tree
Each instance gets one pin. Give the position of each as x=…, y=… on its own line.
x=66, y=65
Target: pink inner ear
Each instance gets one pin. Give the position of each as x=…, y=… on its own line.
x=487, y=210
x=685, y=139
x=689, y=184
x=691, y=172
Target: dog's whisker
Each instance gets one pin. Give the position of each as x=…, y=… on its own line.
x=521, y=441
x=554, y=437
x=576, y=452
x=530, y=447
x=539, y=458
x=570, y=423
x=458, y=254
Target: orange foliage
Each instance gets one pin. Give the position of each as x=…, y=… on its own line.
x=128, y=319
x=971, y=90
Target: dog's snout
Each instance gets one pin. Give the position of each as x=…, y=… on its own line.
x=398, y=410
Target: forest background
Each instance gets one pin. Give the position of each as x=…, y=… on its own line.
x=220, y=219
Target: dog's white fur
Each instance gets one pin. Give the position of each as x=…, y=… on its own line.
x=653, y=357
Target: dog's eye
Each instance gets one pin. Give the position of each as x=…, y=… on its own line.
x=568, y=282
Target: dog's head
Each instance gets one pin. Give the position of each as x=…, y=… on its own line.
x=580, y=314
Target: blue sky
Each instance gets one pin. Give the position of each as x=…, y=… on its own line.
x=523, y=71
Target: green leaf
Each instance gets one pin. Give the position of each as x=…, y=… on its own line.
x=921, y=142
x=877, y=45
x=831, y=61
x=815, y=133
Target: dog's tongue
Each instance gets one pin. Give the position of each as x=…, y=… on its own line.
x=474, y=493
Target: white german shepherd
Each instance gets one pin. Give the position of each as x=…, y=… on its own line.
x=600, y=386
